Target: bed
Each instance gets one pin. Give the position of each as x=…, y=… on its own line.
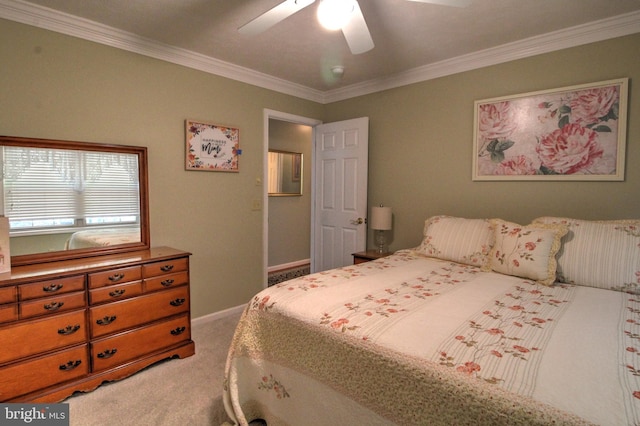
x=486, y=322
x=103, y=237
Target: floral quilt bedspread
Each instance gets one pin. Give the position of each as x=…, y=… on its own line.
x=103, y=237
x=409, y=339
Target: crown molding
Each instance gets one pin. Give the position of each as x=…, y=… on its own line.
x=604, y=29
x=53, y=20
x=49, y=19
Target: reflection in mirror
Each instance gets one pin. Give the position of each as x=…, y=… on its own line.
x=284, y=173
x=71, y=199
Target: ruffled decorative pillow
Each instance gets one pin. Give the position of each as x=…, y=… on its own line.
x=526, y=251
x=457, y=239
x=601, y=254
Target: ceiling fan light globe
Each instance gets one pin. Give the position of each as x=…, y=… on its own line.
x=334, y=14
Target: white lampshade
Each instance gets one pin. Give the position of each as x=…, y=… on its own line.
x=380, y=218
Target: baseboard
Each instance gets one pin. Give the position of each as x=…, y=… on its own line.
x=290, y=271
x=290, y=265
x=218, y=315
x=276, y=274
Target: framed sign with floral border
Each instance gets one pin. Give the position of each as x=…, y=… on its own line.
x=571, y=133
x=211, y=147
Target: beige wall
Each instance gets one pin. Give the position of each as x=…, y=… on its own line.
x=290, y=217
x=59, y=87
x=421, y=136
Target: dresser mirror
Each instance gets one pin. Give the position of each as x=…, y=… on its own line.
x=284, y=173
x=69, y=200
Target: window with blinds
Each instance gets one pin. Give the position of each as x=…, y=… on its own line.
x=49, y=188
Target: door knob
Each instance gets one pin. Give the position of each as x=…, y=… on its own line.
x=358, y=221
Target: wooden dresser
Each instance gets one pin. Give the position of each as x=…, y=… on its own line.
x=70, y=325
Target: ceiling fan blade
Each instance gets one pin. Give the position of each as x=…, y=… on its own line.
x=454, y=3
x=357, y=33
x=273, y=16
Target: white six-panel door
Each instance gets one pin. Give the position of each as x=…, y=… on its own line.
x=340, y=201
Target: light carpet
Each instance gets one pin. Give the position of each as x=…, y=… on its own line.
x=175, y=392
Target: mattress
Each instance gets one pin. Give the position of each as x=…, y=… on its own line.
x=411, y=339
x=103, y=237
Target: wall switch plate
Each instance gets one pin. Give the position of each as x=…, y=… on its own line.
x=256, y=204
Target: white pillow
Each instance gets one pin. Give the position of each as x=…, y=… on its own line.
x=457, y=239
x=526, y=251
x=602, y=254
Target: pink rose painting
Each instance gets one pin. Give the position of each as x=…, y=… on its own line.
x=573, y=133
x=569, y=150
x=497, y=121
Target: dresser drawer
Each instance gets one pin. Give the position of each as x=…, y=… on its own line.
x=23, y=378
x=8, y=295
x=118, y=316
x=51, y=305
x=115, y=292
x=51, y=287
x=37, y=336
x=166, y=267
x=129, y=345
x=166, y=281
x=8, y=313
x=115, y=276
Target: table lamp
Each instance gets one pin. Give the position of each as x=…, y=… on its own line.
x=380, y=222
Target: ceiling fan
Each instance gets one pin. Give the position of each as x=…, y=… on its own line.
x=352, y=24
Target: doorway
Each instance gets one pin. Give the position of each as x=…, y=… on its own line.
x=289, y=200
x=286, y=242
x=337, y=202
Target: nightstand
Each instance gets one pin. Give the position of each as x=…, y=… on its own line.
x=366, y=256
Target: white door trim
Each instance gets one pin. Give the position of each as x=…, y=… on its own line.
x=297, y=119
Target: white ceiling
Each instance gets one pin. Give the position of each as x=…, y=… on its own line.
x=413, y=41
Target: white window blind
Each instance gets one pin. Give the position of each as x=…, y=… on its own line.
x=45, y=187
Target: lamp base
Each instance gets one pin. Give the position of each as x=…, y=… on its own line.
x=381, y=241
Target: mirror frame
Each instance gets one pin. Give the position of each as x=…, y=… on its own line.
x=288, y=194
x=145, y=239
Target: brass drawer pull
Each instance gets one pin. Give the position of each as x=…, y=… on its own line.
x=166, y=268
x=107, y=353
x=178, y=331
x=167, y=283
x=53, y=306
x=70, y=329
x=116, y=277
x=177, y=302
x=70, y=365
x=106, y=320
x=117, y=293
x=51, y=288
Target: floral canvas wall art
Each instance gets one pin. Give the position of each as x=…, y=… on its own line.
x=571, y=133
x=211, y=147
